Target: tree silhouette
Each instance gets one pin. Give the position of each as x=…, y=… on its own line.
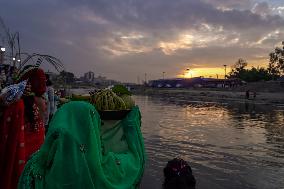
x=35, y=59
x=249, y=75
x=276, y=62
x=12, y=39
x=238, y=68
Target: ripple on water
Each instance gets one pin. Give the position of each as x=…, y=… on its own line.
x=227, y=145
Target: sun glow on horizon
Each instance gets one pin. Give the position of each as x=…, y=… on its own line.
x=219, y=72
x=216, y=72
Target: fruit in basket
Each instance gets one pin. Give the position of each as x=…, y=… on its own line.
x=108, y=100
x=129, y=102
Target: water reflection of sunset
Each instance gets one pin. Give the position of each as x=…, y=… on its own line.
x=227, y=139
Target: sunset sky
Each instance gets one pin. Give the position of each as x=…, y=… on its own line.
x=124, y=39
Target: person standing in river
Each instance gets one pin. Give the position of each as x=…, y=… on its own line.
x=247, y=94
x=254, y=95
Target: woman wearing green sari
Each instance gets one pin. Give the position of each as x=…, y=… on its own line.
x=80, y=152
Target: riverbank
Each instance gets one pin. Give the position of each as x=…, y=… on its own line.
x=212, y=95
x=266, y=93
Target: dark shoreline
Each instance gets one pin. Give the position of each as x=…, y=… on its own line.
x=212, y=95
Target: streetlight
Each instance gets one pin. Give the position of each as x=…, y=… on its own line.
x=164, y=75
x=19, y=61
x=225, y=66
x=14, y=61
x=188, y=70
x=2, y=51
x=138, y=80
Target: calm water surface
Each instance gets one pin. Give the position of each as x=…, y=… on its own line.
x=228, y=145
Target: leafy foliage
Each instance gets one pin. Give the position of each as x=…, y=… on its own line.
x=249, y=75
x=238, y=69
x=13, y=42
x=276, y=62
x=12, y=39
x=121, y=90
x=67, y=77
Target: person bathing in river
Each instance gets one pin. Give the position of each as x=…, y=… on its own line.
x=254, y=94
x=178, y=175
x=22, y=128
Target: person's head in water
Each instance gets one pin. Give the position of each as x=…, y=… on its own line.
x=178, y=175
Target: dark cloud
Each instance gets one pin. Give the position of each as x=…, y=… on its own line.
x=230, y=4
x=262, y=8
x=122, y=39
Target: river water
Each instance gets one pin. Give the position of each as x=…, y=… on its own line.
x=228, y=145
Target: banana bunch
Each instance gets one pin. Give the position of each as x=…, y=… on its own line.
x=129, y=102
x=108, y=100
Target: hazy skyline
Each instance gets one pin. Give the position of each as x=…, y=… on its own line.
x=126, y=39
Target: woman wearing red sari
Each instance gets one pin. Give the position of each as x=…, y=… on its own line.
x=22, y=129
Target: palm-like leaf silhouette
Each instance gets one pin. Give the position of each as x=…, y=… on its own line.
x=13, y=41
x=41, y=58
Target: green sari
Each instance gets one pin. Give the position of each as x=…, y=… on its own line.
x=80, y=152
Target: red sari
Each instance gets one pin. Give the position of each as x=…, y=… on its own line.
x=18, y=140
